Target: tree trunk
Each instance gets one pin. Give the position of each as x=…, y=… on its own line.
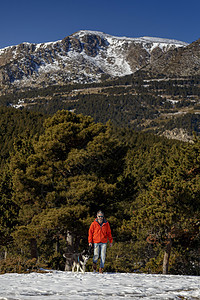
x=69, y=251
x=33, y=248
x=167, y=255
x=5, y=253
x=57, y=250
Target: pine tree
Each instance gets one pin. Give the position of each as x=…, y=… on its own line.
x=66, y=175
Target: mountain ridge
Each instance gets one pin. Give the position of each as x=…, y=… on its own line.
x=183, y=61
x=144, y=38
x=83, y=57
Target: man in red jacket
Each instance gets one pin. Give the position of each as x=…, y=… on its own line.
x=99, y=234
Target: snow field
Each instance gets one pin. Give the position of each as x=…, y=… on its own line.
x=60, y=285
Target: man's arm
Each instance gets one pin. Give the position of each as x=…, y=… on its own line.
x=90, y=235
x=109, y=235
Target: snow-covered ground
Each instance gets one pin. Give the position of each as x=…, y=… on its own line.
x=60, y=285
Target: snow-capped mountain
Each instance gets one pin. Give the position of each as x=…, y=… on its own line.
x=81, y=57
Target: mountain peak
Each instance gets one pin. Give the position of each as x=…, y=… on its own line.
x=81, y=33
x=83, y=57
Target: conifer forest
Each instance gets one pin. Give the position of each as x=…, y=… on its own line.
x=59, y=167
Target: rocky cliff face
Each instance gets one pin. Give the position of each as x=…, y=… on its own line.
x=184, y=61
x=82, y=57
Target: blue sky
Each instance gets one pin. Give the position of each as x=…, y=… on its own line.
x=44, y=21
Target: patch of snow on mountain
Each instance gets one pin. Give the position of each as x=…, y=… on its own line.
x=49, y=67
x=3, y=50
x=162, y=40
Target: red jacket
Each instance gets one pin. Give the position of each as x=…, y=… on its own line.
x=99, y=233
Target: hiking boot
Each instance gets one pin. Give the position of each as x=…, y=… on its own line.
x=94, y=267
x=101, y=270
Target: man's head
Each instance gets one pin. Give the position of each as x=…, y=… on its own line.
x=100, y=216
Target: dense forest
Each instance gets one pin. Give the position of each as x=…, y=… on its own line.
x=141, y=103
x=58, y=169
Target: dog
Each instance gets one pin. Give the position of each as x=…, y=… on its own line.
x=78, y=260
